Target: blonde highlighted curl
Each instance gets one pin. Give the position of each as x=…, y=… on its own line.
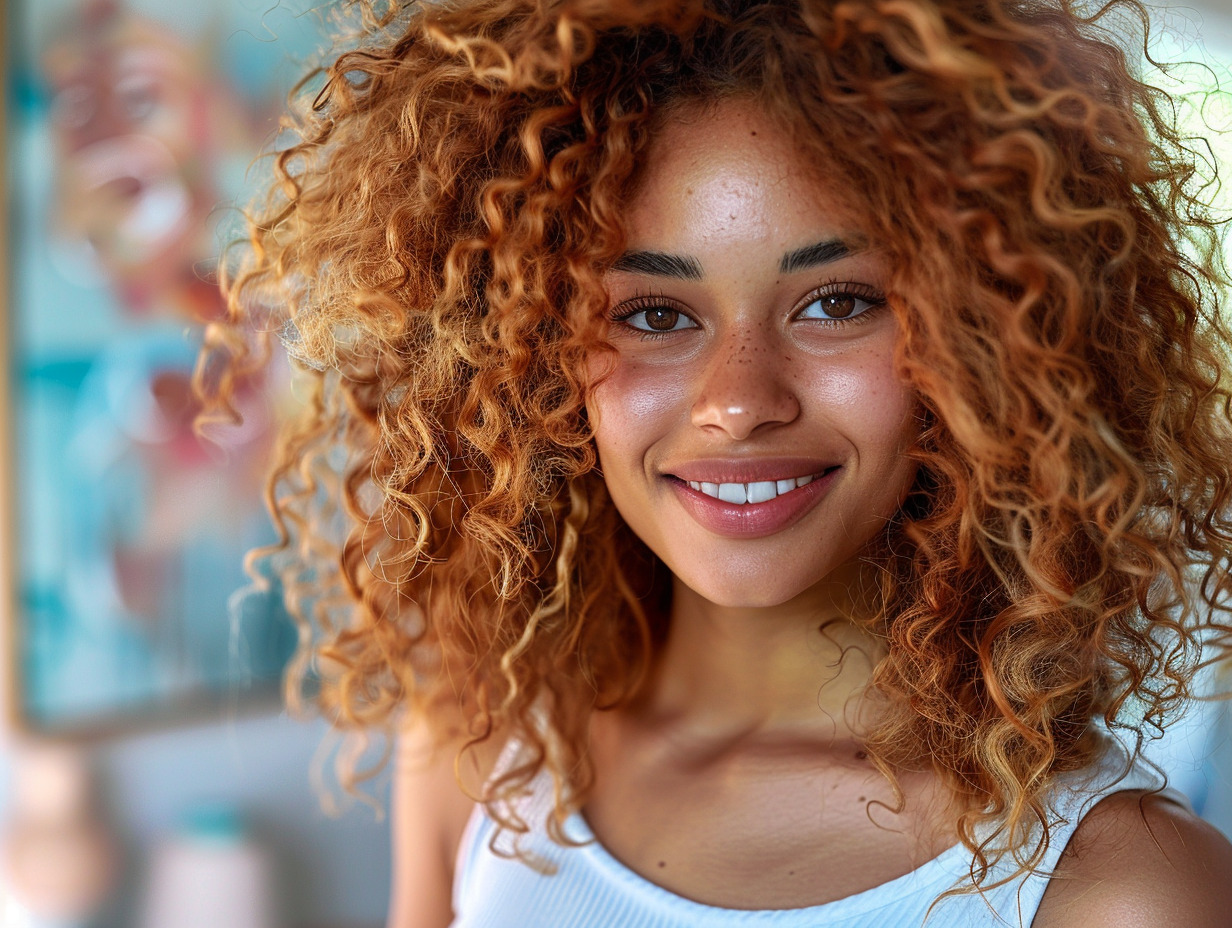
x=432, y=251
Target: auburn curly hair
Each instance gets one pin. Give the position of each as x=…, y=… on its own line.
x=431, y=254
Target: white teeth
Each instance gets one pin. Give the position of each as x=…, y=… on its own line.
x=760, y=491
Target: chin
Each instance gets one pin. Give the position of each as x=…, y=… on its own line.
x=740, y=590
x=746, y=599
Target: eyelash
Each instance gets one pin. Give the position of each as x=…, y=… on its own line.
x=875, y=298
x=641, y=303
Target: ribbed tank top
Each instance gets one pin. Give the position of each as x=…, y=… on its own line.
x=590, y=888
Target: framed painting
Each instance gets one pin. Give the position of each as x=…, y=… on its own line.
x=132, y=126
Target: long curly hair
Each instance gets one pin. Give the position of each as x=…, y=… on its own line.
x=431, y=253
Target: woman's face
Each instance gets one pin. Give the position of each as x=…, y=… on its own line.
x=752, y=431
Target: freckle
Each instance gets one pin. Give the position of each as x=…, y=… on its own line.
x=789, y=872
x=861, y=755
x=861, y=799
x=663, y=863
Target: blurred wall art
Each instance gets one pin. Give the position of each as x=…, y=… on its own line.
x=131, y=128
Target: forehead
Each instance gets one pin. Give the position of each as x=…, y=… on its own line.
x=726, y=173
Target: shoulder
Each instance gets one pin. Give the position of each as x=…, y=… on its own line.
x=430, y=812
x=1140, y=859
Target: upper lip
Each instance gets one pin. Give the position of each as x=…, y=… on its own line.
x=747, y=470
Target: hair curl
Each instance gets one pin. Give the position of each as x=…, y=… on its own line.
x=432, y=251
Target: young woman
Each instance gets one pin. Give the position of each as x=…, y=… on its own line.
x=784, y=459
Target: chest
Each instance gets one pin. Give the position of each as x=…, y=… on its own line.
x=764, y=826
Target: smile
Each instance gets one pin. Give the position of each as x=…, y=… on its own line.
x=761, y=491
x=754, y=509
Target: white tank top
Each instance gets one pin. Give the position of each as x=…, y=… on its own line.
x=589, y=888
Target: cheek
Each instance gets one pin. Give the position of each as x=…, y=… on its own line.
x=890, y=427
x=633, y=406
x=873, y=407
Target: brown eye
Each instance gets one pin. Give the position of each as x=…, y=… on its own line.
x=658, y=319
x=662, y=318
x=838, y=305
x=841, y=305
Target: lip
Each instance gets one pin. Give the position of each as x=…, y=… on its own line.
x=751, y=520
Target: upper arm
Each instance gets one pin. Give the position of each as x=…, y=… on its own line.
x=1139, y=860
x=430, y=811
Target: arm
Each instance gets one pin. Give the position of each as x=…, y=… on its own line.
x=1141, y=861
x=430, y=811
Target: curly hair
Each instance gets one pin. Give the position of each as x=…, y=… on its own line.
x=432, y=252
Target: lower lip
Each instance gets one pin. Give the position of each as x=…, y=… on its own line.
x=753, y=520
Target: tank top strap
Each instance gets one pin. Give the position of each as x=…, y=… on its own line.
x=1118, y=769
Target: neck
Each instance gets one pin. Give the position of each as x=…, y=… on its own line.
x=796, y=669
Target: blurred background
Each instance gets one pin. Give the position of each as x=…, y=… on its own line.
x=148, y=775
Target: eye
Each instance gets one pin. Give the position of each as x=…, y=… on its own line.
x=837, y=304
x=658, y=319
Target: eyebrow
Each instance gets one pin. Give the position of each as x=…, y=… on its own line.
x=813, y=255
x=683, y=267
x=659, y=264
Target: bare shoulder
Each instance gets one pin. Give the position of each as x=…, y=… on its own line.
x=430, y=812
x=1136, y=860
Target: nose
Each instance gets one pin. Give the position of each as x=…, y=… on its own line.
x=745, y=385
